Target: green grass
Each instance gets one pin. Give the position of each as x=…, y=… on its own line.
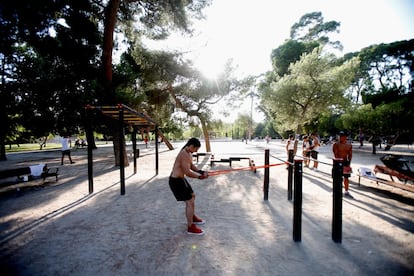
x=31, y=147
x=36, y=147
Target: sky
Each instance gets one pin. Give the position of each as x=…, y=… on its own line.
x=248, y=30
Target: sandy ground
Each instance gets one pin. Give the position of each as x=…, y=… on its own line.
x=58, y=228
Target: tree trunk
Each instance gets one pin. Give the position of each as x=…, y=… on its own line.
x=108, y=44
x=109, y=93
x=90, y=139
x=206, y=136
x=117, y=150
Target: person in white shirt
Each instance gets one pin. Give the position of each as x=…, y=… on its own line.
x=291, y=148
x=66, y=144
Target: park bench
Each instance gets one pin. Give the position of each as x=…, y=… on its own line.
x=230, y=160
x=198, y=154
x=25, y=174
x=371, y=175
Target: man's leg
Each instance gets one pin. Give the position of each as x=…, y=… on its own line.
x=315, y=160
x=196, y=220
x=70, y=158
x=346, y=184
x=189, y=210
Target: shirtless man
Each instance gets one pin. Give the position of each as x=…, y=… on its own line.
x=343, y=150
x=183, y=166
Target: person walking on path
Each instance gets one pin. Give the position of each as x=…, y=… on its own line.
x=66, y=145
x=182, y=190
x=314, y=150
x=291, y=148
x=342, y=149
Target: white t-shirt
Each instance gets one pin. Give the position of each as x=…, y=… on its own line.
x=291, y=144
x=65, y=144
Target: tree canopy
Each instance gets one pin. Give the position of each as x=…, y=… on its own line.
x=369, y=91
x=50, y=57
x=56, y=57
x=314, y=85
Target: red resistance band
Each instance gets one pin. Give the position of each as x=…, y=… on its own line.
x=252, y=168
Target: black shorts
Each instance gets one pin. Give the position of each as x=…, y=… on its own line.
x=181, y=189
x=65, y=152
x=291, y=155
x=314, y=154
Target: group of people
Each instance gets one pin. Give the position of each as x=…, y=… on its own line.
x=310, y=145
x=183, y=166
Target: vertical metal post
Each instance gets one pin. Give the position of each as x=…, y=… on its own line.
x=290, y=179
x=297, y=202
x=337, y=175
x=121, y=150
x=90, y=152
x=156, y=150
x=90, y=168
x=134, y=147
x=266, y=176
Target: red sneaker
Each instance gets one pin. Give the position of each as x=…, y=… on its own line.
x=198, y=221
x=194, y=230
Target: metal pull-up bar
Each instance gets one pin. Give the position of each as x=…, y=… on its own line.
x=125, y=117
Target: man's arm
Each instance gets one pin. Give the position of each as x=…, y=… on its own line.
x=193, y=167
x=335, y=150
x=317, y=142
x=188, y=167
x=203, y=174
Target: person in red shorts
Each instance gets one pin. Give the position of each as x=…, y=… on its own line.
x=182, y=190
x=343, y=150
